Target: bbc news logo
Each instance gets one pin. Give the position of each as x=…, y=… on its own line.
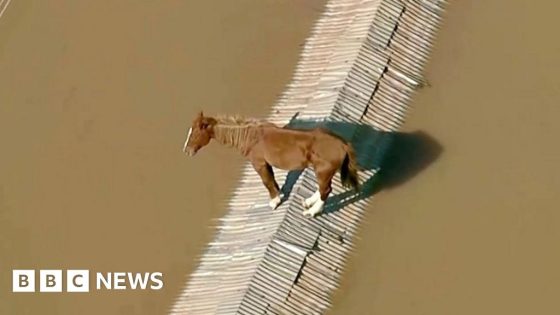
x=79, y=281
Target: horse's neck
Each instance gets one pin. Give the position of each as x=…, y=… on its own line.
x=237, y=137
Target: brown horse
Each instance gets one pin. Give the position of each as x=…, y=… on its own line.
x=267, y=146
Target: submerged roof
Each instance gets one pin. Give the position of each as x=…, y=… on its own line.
x=358, y=72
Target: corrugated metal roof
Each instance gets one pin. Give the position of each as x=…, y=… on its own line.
x=358, y=71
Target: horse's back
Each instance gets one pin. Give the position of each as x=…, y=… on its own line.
x=284, y=148
x=305, y=137
x=328, y=145
x=295, y=148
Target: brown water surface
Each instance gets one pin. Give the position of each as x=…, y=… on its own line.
x=477, y=231
x=95, y=97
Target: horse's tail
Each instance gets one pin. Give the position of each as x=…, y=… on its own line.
x=349, y=169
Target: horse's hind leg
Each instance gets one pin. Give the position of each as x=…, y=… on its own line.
x=324, y=177
x=307, y=203
x=267, y=175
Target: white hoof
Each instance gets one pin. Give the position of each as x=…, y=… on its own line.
x=307, y=203
x=315, y=209
x=275, y=202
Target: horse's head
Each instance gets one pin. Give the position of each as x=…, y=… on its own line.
x=199, y=134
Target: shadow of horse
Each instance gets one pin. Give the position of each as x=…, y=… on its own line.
x=395, y=157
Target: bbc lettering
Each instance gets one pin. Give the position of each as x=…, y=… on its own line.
x=78, y=281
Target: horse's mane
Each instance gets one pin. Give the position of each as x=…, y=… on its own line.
x=237, y=131
x=237, y=120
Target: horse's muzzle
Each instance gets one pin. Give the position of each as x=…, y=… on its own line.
x=190, y=151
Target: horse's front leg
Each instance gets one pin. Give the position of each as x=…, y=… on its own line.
x=267, y=175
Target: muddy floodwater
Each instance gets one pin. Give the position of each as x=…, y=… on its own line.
x=95, y=97
x=476, y=228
